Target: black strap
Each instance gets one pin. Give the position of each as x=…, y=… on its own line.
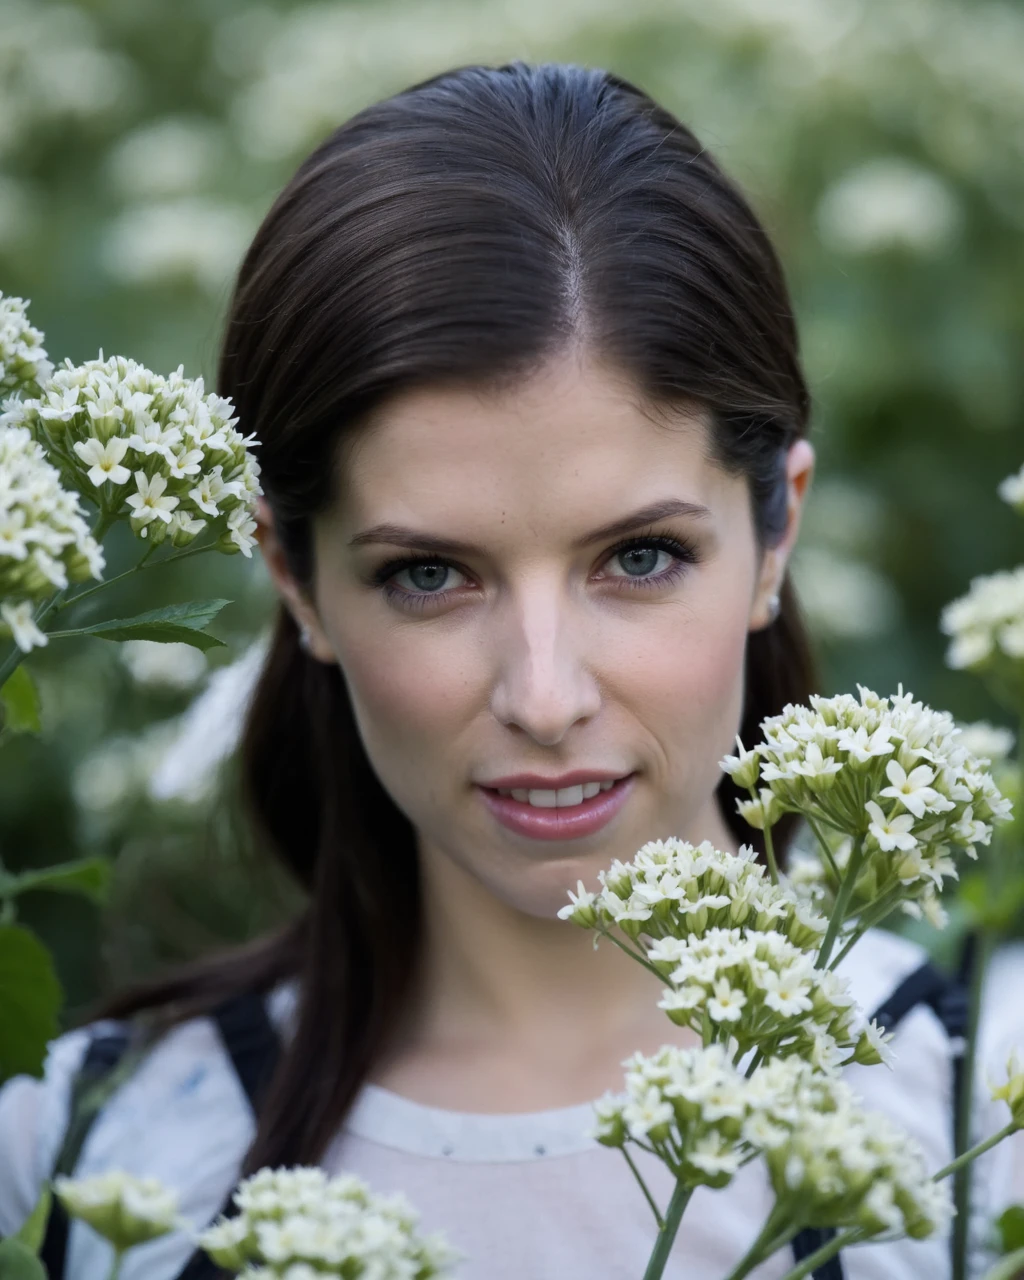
x=254, y=1048
x=251, y=1043
x=949, y=1000
x=103, y=1054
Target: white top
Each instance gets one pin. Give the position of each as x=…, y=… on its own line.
x=524, y=1197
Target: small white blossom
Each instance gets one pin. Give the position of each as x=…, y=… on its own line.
x=114, y=421
x=297, y=1224
x=148, y=502
x=887, y=776
x=24, y=367
x=104, y=460
x=986, y=625
x=122, y=1208
x=22, y=625
x=893, y=832
x=1011, y=490
x=45, y=542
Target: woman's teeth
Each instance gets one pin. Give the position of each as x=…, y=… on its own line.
x=560, y=799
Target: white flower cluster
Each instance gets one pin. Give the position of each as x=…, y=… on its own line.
x=1011, y=490
x=299, y=1224
x=672, y=889
x=44, y=540
x=830, y=1162
x=738, y=951
x=887, y=772
x=23, y=364
x=987, y=624
x=757, y=991
x=158, y=451
x=122, y=1208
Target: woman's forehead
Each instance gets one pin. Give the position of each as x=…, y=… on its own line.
x=570, y=445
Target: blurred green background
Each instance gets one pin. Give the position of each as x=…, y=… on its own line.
x=140, y=142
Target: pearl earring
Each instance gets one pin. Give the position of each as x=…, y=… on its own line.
x=774, y=608
x=305, y=639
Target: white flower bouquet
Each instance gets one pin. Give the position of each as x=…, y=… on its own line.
x=82, y=449
x=747, y=958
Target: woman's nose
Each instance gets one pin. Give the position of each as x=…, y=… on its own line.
x=543, y=683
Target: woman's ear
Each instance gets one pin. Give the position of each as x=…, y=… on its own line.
x=295, y=597
x=799, y=470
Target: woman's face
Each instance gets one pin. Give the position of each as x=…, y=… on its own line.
x=542, y=592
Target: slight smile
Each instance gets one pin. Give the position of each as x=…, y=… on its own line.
x=566, y=808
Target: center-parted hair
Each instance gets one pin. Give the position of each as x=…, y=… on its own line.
x=465, y=232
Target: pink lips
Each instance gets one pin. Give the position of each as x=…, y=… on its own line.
x=569, y=823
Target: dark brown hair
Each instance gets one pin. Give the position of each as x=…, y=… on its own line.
x=464, y=231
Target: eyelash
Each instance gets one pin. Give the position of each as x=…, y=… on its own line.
x=684, y=552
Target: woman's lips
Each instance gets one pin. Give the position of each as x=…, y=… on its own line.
x=569, y=823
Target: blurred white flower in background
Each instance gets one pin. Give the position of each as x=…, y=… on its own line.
x=194, y=238
x=1011, y=490
x=987, y=741
x=166, y=157
x=175, y=759
x=117, y=772
x=987, y=623
x=207, y=733
x=842, y=598
x=889, y=203
x=169, y=666
x=52, y=66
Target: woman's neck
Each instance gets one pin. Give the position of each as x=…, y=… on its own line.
x=516, y=1012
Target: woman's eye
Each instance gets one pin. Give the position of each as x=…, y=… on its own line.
x=642, y=562
x=427, y=578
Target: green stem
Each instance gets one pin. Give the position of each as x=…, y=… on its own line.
x=137, y=568
x=882, y=910
x=633, y=955
x=667, y=1233
x=643, y=1187
x=115, y=1268
x=825, y=849
x=962, y=1126
x=768, y=1241
x=979, y=1149
x=842, y=903
x=10, y=664
x=828, y=1250
x=769, y=848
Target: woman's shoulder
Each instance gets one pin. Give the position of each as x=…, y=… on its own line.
x=181, y=1095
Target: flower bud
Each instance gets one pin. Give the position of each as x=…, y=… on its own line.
x=120, y=1207
x=744, y=768
x=1012, y=1093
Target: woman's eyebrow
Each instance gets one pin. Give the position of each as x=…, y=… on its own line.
x=397, y=535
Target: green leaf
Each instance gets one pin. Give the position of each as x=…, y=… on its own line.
x=19, y=702
x=1010, y=1225
x=176, y=623
x=30, y=999
x=19, y=1263
x=1007, y=1268
x=33, y=1229
x=88, y=876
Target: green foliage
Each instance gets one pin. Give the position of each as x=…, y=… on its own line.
x=17, y=1262
x=30, y=1000
x=19, y=703
x=89, y=877
x=33, y=1230
x=181, y=623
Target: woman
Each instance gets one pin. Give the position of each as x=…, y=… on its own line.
x=525, y=374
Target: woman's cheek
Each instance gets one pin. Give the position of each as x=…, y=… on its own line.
x=410, y=695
